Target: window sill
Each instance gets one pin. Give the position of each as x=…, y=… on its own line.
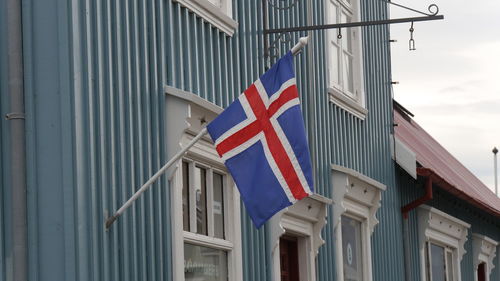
x=212, y=14
x=206, y=241
x=347, y=104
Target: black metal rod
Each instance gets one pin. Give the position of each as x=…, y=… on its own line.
x=352, y=24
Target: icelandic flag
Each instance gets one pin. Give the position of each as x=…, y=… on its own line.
x=262, y=140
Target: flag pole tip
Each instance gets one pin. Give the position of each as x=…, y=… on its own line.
x=298, y=47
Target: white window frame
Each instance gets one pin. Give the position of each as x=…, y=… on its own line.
x=358, y=197
x=447, y=250
x=483, y=251
x=221, y=15
x=351, y=102
x=443, y=230
x=184, y=115
x=304, y=220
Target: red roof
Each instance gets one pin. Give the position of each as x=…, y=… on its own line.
x=445, y=170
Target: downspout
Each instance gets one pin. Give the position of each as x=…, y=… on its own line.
x=17, y=140
x=406, y=237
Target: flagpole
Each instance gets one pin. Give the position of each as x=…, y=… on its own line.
x=295, y=51
x=151, y=180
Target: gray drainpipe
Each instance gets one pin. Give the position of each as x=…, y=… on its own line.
x=17, y=140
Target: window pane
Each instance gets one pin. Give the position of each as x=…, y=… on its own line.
x=334, y=65
x=347, y=35
x=333, y=13
x=218, y=205
x=348, y=73
x=185, y=195
x=351, y=249
x=438, y=263
x=200, y=187
x=202, y=263
x=449, y=265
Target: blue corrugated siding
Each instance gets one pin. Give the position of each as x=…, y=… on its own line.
x=95, y=73
x=481, y=223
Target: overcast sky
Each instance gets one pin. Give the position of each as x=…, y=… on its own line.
x=452, y=81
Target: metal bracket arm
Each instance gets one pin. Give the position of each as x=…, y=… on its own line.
x=352, y=24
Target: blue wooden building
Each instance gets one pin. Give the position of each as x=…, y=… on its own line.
x=112, y=89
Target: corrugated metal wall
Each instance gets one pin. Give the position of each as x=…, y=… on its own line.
x=480, y=221
x=95, y=72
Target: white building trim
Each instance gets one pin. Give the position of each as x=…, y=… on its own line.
x=359, y=197
x=442, y=229
x=483, y=251
x=186, y=114
x=305, y=219
x=220, y=16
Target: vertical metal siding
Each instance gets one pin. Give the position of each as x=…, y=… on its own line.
x=480, y=222
x=103, y=124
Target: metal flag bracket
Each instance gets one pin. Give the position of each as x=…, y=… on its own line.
x=271, y=48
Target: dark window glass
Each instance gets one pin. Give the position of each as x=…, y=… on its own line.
x=185, y=196
x=200, y=188
x=438, y=265
x=351, y=249
x=218, y=205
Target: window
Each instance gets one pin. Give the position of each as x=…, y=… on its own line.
x=442, y=239
x=352, y=248
x=217, y=12
x=483, y=253
x=439, y=263
x=356, y=201
x=345, y=74
x=205, y=191
x=205, y=204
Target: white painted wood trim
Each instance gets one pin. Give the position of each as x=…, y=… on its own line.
x=360, y=176
x=304, y=219
x=483, y=250
x=347, y=103
x=177, y=224
x=440, y=228
x=307, y=258
x=192, y=98
x=184, y=111
x=220, y=17
x=359, y=197
x=354, y=105
x=362, y=214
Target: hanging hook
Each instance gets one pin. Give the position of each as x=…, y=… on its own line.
x=411, y=43
x=339, y=34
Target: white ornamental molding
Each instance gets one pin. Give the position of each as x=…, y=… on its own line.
x=186, y=115
x=306, y=217
x=483, y=251
x=435, y=225
x=360, y=190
